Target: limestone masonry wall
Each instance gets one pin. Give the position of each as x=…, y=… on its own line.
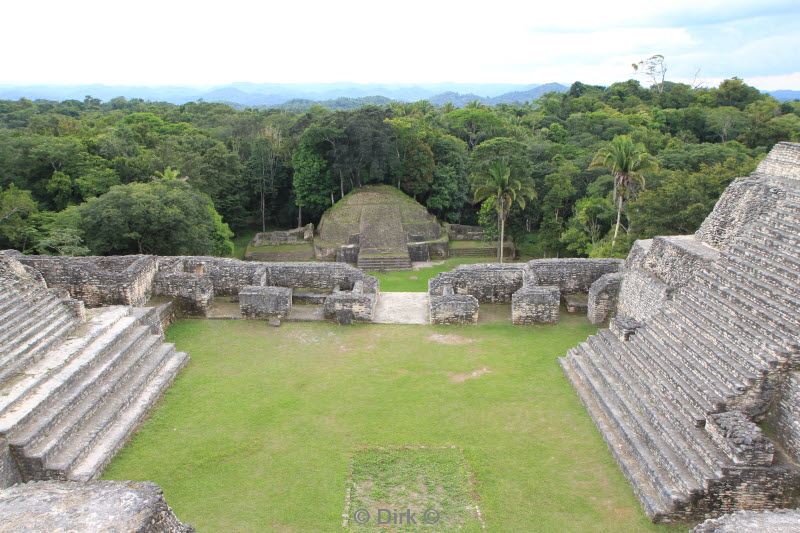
x=572, y=274
x=488, y=282
x=642, y=294
x=603, y=296
x=450, y=308
x=535, y=304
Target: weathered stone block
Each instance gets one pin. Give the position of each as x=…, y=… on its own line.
x=452, y=308
x=603, y=295
x=265, y=302
x=92, y=506
x=624, y=327
x=571, y=275
x=534, y=304
x=740, y=438
x=360, y=304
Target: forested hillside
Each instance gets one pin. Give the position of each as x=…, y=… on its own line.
x=132, y=176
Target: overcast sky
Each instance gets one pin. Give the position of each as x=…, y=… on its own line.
x=216, y=42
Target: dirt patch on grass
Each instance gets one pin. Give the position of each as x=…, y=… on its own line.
x=449, y=338
x=464, y=376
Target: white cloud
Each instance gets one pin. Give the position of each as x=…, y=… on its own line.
x=207, y=43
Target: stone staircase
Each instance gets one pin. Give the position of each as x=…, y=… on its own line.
x=382, y=241
x=718, y=345
x=73, y=391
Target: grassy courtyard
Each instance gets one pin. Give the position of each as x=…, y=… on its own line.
x=267, y=429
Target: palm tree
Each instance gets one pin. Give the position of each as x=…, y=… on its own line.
x=507, y=191
x=626, y=160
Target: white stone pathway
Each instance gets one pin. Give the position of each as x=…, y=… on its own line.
x=402, y=308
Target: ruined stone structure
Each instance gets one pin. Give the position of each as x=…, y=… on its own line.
x=779, y=521
x=74, y=383
x=257, y=301
x=192, y=282
x=91, y=507
x=292, y=236
x=704, y=346
x=534, y=289
x=379, y=228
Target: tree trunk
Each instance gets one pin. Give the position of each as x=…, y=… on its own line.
x=502, y=236
x=299, y=216
x=616, y=227
x=263, y=212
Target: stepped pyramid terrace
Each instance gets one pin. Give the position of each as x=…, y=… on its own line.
x=692, y=379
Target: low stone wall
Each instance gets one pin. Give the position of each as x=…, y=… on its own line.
x=450, y=308
x=274, y=238
x=96, y=280
x=265, y=302
x=785, y=415
x=535, y=304
x=638, y=253
x=571, y=275
x=353, y=305
x=603, y=297
x=461, y=232
x=488, y=282
x=89, y=506
x=192, y=295
x=641, y=295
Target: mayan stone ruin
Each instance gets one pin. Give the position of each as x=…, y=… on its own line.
x=702, y=351
x=693, y=379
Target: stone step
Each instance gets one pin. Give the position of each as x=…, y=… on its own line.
x=655, y=491
x=687, y=465
x=763, y=255
x=714, y=323
x=672, y=383
x=96, y=459
x=35, y=347
x=28, y=317
x=750, y=308
x=688, y=362
x=707, y=331
x=777, y=250
x=61, y=367
x=93, y=428
x=44, y=434
x=17, y=302
x=727, y=369
x=743, y=265
x=654, y=504
x=685, y=436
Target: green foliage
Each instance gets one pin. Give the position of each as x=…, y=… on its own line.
x=280, y=167
x=165, y=217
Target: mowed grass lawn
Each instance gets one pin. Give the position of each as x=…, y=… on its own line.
x=259, y=430
x=417, y=280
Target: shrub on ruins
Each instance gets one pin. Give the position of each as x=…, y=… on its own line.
x=164, y=217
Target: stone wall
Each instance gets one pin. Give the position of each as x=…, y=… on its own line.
x=603, y=297
x=488, y=282
x=95, y=280
x=192, y=295
x=676, y=258
x=740, y=439
x=571, y=274
x=265, y=302
x=355, y=304
x=641, y=294
x=785, y=415
x=274, y=238
x=535, y=304
x=461, y=232
x=451, y=308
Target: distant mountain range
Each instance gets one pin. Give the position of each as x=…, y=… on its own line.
x=300, y=96
x=293, y=96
